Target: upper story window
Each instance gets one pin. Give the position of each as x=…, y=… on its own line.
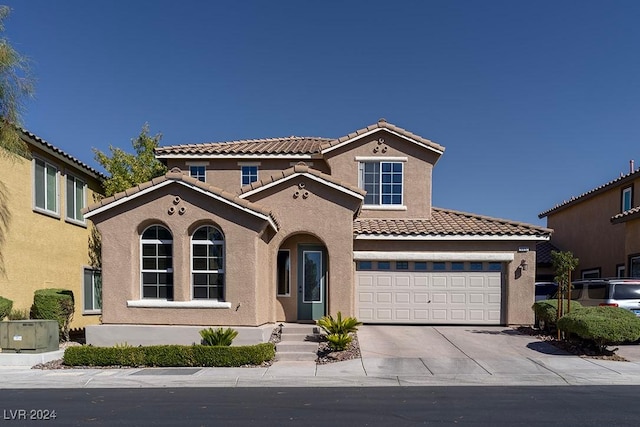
x=45, y=186
x=76, y=198
x=627, y=199
x=382, y=181
x=157, y=263
x=207, y=263
x=249, y=174
x=198, y=172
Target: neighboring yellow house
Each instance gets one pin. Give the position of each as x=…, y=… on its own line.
x=47, y=240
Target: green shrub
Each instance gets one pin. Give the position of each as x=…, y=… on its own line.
x=546, y=311
x=339, y=325
x=218, y=336
x=338, y=342
x=54, y=304
x=602, y=325
x=17, y=314
x=5, y=307
x=169, y=355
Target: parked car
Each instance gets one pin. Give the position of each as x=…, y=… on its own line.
x=546, y=290
x=616, y=292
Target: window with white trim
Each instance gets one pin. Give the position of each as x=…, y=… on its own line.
x=45, y=186
x=157, y=263
x=92, y=290
x=76, y=198
x=198, y=172
x=207, y=263
x=627, y=199
x=382, y=181
x=593, y=273
x=620, y=270
x=249, y=174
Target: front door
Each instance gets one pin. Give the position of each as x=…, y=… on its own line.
x=312, y=272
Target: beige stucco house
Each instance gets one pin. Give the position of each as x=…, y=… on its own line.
x=253, y=232
x=601, y=227
x=48, y=242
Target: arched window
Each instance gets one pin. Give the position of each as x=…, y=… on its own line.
x=207, y=263
x=157, y=263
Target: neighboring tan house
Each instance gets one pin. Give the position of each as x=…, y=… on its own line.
x=253, y=232
x=601, y=227
x=47, y=242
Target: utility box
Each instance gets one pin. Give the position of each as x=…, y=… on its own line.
x=29, y=336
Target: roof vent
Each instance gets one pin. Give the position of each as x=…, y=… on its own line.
x=631, y=166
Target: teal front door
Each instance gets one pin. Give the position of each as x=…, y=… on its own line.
x=312, y=272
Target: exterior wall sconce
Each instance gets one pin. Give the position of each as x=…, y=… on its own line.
x=524, y=265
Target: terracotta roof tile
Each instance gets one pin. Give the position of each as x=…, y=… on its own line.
x=447, y=222
x=287, y=145
x=632, y=213
x=590, y=193
x=543, y=252
x=58, y=151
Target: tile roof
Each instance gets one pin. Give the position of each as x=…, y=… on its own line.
x=293, y=145
x=56, y=151
x=449, y=223
x=300, y=168
x=283, y=146
x=177, y=175
x=576, y=199
x=543, y=252
x=630, y=214
x=383, y=124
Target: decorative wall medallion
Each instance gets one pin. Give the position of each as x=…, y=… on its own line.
x=380, y=147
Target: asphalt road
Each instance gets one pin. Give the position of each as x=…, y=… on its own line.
x=388, y=406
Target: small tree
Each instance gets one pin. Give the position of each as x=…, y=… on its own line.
x=563, y=264
x=127, y=170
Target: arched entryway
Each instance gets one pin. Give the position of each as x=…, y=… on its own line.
x=302, y=274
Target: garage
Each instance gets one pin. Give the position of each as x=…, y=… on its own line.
x=442, y=292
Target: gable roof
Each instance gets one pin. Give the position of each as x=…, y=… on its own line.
x=301, y=169
x=175, y=175
x=303, y=147
x=35, y=140
x=543, y=252
x=623, y=179
x=300, y=146
x=447, y=224
x=381, y=124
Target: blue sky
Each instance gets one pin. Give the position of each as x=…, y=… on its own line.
x=534, y=101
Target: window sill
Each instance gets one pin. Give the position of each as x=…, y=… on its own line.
x=91, y=312
x=76, y=222
x=384, y=207
x=52, y=214
x=161, y=303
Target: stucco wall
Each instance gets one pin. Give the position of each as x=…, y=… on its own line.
x=326, y=214
x=43, y=251
x=586, y=230
x=417, y=171
x=121, y=228
x=227, y=174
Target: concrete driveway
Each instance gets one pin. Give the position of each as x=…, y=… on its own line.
x=466, y=351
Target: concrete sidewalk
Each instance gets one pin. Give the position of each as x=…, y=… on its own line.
x=391, y=356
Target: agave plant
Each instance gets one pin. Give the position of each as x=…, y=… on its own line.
x=339, y=325
x=218, y=337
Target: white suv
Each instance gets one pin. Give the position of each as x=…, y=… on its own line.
x=624, y=293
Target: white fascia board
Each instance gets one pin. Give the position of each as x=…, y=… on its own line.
x=380, y=159
x=234, y=156
x=378, y=130
x=193, y=187
x=159, y=303
x=461, y=237
x=432, y=256
x=306, y=175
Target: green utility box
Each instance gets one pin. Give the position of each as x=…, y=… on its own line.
x=29, y=336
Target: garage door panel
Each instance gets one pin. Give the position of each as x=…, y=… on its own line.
x=434, y=298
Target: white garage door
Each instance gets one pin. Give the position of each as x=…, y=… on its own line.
x=465, y=297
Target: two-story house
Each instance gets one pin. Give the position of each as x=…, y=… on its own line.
x=254, y=232
x=48, y=242
x=601, y=228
